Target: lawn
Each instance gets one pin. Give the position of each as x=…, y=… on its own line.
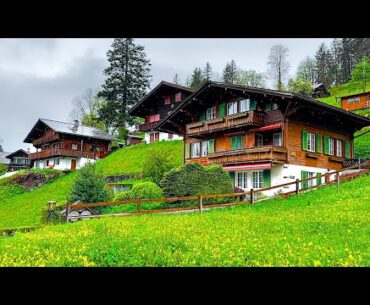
x=326, y=227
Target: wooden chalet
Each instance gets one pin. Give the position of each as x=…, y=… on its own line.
x=319, y=90
x=18, y=160
x=356, y=101
x=131, y=139
x=156, y=106
x=263, y=137
x=66, y=146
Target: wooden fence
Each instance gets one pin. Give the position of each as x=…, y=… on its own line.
x=250, y=197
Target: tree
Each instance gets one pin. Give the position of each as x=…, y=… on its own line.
x=197, y=79
x=278, y=65
x=128, y=79
x=323, y=66
x=207, y=72
x=306, y=70
x=176, y=79
x=157, y=164
x=85, y=104
x=360, y=75
x=251, y=78
x=88, y=186
x=301, y=87
x=230, y=73
x=335, y=49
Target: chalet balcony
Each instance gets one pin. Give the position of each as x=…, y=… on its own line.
x=248, y=118
x=148, y=126
x=275, y=154
x=61, y=152
x=46, y=139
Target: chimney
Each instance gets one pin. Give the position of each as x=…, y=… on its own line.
x=76, y=123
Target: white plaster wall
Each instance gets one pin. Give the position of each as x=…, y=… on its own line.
x=162, y=136
x=65, y=163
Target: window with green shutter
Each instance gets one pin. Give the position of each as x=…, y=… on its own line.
x=202, y=116
x=232, y=177
x=253, y=105
x=347, y=150
x=326, y=145
x=304, y=140
x=319, y=143
x=187, y=150
x=211, y=147
x=237, y=142
x=318, y=179
x=268, y=107
x=304, y=175
x=266, y=178
x=221, y=108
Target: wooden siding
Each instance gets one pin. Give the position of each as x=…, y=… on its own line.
x=298, y=156
x=60, y=152
x=363, y=103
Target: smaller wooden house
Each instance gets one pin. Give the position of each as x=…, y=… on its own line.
x=356, y=101
x=319, y=90
x=18, y=160
x=131, y=139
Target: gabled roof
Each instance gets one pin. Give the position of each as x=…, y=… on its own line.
x=306, y=100
x=67, y=128
x=16, y=152
x=355, y=94
x=155, y=89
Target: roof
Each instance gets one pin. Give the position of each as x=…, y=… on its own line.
x=67, y=128
x=162, y=83
x=16, y=152
x=310, y=101
x=318, y=85
x=134, y=136
x=355, y=94
x=3, y=158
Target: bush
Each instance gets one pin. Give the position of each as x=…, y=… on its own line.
x=193, y=179
x=3, y=169
x=146, y=190
x=88, y=186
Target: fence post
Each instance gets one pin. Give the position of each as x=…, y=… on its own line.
x=359, y=163
x=200, y=203
x=297, y=186
x=139, y=205
x=338, y=179
x=67, y=212
x=252, y=196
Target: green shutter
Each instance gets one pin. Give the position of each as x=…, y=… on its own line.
x=304, y=175
x=326, y=145
x=346, y=149
x=236, y=142
x=268, y=107
x=253, y=105
x=211, y=147
x=222, y=110
x=318, y=179
x=233, y=142
x=304, y=140
x=319, y=143
x=187, y=150
x=266, y=178
x=232, y=177
x=202, y=116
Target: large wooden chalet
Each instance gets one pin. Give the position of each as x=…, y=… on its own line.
x=66, y=146
x=263, y=137
x=156, y=106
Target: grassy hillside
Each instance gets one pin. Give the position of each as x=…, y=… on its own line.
x=19, y=207
x=326, y=227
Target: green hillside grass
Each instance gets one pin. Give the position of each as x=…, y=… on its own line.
x=325, y=227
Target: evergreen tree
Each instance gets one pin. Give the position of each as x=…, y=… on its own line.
x=207, y=72
x=360, y=75
x=230, y=73
x=335, y=50
x=323, y=66
x=347, y=58
x=197, y=79
x=176, y=79
x=128, y=78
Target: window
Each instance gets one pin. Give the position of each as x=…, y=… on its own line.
x=178, y=97
x=244, y=105
x=167, y=100
x=310, y=182
x=232, y=108
x=311, y=140
x=74, y=146
x=277, y=139
x=154, y=118
x=154, y=136
x=237, y=142
x=257, y=180
x=195, y=150
x=353, y=100
x=241, y=179
x=205, y=148
x=331, y=146
x=275, y=106
x=170, y=136
x=259, y=140
x=339, y=148
x=211, y=113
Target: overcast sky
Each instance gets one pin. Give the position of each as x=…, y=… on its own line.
x=40, y=77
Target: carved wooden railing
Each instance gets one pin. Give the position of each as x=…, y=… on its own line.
x=148, y=126
x=46, y=139
x=61, y=152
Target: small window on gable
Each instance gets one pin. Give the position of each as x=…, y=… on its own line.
x=232, y=108
x=178, y=97
x=275, y=106
x=167, y=100
x=74, y=146
x=211, y=113
x=244, y=105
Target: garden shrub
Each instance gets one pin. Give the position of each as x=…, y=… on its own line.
x=3, y=169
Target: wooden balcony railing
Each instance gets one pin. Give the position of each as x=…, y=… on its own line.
x=252, y=118
x=61, y=152
x=276, y=154
x=148, y=126
x=46, y=139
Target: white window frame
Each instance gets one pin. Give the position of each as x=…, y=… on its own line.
x=245, y=105
x=311, y=142
x=195, y=150
x=274, y=106
x=211, y=113
x=205, y=148
x=353, y=100
x=310, y=183
x=339, y=148
x=234, y=108
x=259, y=140
x=241, y=179
x=257, y=179
x=279, y=139
x=331, y=146
x=74, y=146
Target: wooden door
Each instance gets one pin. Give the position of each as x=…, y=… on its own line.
x=73, y=164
